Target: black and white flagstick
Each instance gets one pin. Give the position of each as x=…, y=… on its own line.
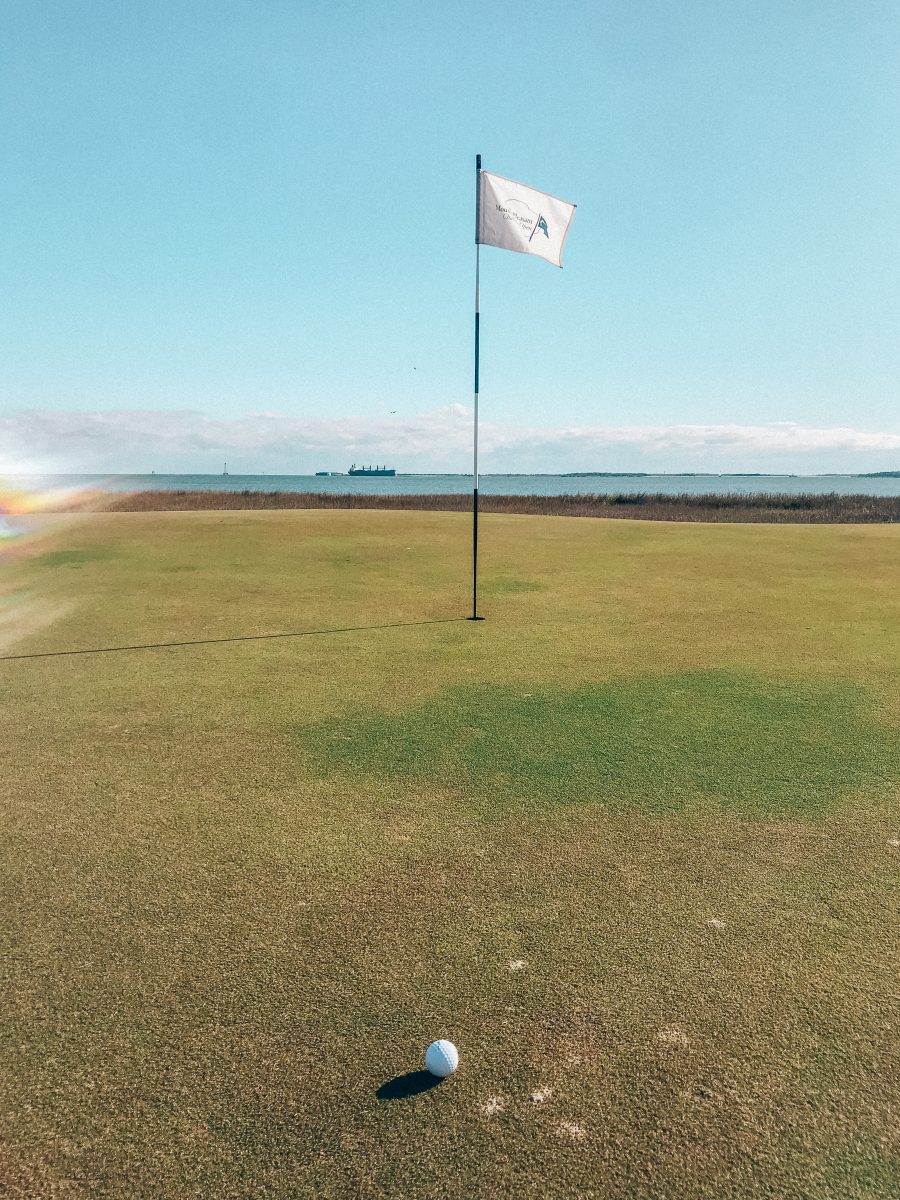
x=475, y=616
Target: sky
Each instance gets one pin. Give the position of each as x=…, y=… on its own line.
x=245, y=231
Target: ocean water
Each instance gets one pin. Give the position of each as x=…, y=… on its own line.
x=489, y=485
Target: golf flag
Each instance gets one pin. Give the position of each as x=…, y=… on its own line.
x=515, y=217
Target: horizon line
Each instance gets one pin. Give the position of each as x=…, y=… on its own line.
x=624, y=474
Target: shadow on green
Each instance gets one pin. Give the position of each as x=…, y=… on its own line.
x=711, y=740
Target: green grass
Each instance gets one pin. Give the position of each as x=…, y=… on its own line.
x=244, y=884
x=74, y=558
x=713, y=740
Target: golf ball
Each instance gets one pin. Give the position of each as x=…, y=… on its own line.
x=441, y=1058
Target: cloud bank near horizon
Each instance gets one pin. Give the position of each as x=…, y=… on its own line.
x=140, y=440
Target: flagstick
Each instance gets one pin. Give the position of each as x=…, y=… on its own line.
x=475, y=616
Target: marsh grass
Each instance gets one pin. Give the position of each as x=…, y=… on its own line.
x=768, y=508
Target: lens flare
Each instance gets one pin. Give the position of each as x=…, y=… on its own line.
x=19, y=506
x=18, y=501
x=24, y=529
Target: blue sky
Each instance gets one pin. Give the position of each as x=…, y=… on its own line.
x=213, y=211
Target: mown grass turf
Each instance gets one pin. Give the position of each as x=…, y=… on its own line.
x=631, y=842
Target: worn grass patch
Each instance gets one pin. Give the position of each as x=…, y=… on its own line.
x=717, y=739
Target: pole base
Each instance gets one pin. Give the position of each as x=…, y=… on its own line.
x=474, y=618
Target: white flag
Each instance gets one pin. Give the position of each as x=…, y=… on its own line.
x=515, y=217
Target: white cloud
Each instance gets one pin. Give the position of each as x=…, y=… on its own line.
x=440, y=440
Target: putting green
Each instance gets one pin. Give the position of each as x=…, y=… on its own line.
x=631, y=843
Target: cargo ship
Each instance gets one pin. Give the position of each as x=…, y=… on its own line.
x=355, y=470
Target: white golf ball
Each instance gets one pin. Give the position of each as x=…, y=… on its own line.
x=441, y=1058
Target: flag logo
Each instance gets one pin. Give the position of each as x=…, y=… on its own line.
x=542, y=226
x=512, y=216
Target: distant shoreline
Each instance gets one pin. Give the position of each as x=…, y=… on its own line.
x=463, y=475
x=769, y=508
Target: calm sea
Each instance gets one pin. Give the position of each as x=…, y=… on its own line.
x=494, y=485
